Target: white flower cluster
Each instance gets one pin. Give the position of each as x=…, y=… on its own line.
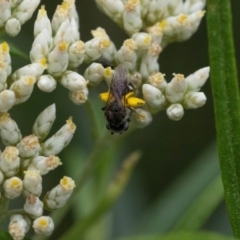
x=15, y=13
x=24, y=161
x=177, y=19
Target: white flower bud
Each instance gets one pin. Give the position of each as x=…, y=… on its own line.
x=18, y=226
x=9, y=161
x=5, y=10
x=194, y=100
x=196, y=80
x=136, y=79
x=127, y=54
x=79, y=97
x=59, y=140
x=43, y=225
x=175, y=111
x=149, y=61
x=25, y=10
x=153, y=96
x=142, y=39
x=95, y=47
x=7, y=100
x=12, y=27
x=44, y=164
x=64, y=33
x=58, y=59
x=190, y=6
x=59, y=195
x=73, y=81
x=29, y=146
x=44, y=122
x=9, y=130
x=132, y=21
x=112, y=8
x=156, y=34
x=23, y=88
x=157, y=80
x=76, y=54
x=141, y=118
x=32, y=183
x=47, y=83
x=176, y=89
x=42, y=22
x=40, y=47
x=12, y=187
x=33, y=206
x=94, y=73
x=33, y=69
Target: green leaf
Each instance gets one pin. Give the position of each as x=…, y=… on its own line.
x=182, y=236
x=17, y=52
x=225, y=91
x=6, y=236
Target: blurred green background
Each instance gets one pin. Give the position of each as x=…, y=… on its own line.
x=179, y=159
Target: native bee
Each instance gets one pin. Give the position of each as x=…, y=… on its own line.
x=120, y=101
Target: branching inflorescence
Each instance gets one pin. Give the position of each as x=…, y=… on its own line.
x=56, y=53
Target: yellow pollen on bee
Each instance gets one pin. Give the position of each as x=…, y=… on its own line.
x=134, y=102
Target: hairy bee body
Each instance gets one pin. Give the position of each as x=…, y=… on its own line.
x=117, y=110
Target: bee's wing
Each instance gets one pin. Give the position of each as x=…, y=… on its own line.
x=119, y=85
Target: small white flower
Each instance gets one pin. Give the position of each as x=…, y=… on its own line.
x=142, y=39
x=44, y=122
x=47, y=83
x=141, y=117
x=73, y=81
x=132, y=21
x=44, y=164
x=58, y=59
x=157, y=80
x=176, y=89
x=7, y=100
x=194, y=100
x=12, y=187
x=18, y=226
x=9, y=130
x=59, y=140
x=153, y=96
x=9, y=161
x=32, y=183
x=59, y=195
x=33, y=206
x=43, y=225
x=13, y=27
x=76, y=54
x=23, y=88
x=94, y=73
x=175, y=111
x=29, y=146
x=79, y=97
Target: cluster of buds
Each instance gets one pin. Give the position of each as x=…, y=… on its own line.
x=177, y=19
x=24, y=161
x=15, y=13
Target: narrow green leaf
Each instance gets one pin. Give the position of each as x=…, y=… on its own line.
x=17, y=52
x=182, y=236
x=226, y=102
x=202, y=207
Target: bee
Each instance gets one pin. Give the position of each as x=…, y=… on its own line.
x=120, y=101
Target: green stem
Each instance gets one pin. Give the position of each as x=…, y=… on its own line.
x=226, y=103
x=3, y=208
